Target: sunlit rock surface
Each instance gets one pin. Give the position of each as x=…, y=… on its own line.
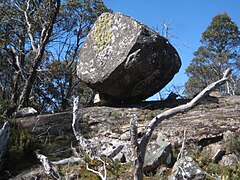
x=126, y=61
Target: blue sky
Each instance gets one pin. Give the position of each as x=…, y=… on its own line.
x=187, y=19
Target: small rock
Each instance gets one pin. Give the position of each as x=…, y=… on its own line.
x=171, y=97
x=28, y=111
x=228, y=135
x=229, y=159
x=186, y=168
x=215, y=94
x=157, y=154
x=114, y=148
x=213, y=149
x=125, y=136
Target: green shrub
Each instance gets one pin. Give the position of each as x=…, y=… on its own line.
x=234, y=145
x=212, y=169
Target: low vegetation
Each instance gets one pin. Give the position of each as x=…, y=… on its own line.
x=19, y=152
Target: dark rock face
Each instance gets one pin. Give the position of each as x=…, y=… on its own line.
x=126, y=61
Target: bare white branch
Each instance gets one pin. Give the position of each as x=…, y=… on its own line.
x=102, y=176
x=159, y=118
x=47, y=165
x=29, y=25
x=180, y=154
x=141, y=149
x=75, y=109
x=84, y=144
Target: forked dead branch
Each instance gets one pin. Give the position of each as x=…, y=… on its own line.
x=139, y=147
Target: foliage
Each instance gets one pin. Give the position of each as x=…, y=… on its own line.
x=234, y=146
x=115, y=170
x=20, y=150
x=38, y=51
x=219, y=51
x=215, y=170
x=3, y=105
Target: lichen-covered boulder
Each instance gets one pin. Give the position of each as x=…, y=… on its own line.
x=126, y=61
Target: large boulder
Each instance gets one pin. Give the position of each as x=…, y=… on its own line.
x=126, y=61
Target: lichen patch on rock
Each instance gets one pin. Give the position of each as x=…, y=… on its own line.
x=102, y=31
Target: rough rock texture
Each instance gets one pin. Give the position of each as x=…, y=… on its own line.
x=126, y=61
x=206, y=125
x=186, y=168
x=158, y=153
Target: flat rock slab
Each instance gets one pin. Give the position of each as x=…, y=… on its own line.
x=203, y=122
x=126, y=61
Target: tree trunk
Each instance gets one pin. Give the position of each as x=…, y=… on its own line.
x=138, y=149
x=24, y=98
x=45, y=35
x=138, y=165
x=15, y=89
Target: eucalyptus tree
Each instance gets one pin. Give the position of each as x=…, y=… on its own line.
x=219, y=51
x=35, y=37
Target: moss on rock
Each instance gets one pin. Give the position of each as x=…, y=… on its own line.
x=19, y=152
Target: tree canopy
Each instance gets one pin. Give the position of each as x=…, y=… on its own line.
x=220, y=50
x=39, y=46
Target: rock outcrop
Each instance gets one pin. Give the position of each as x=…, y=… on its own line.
x=209, y=127
x=126, y=61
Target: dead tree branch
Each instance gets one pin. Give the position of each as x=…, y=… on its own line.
x=180, y=154
x=70, y=160
x=85, y=144
x=102, y=176
x=48, y=167
x=140, y=147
